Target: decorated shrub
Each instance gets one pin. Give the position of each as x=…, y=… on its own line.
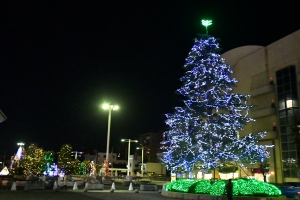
x=181, y=185
x=241, y=187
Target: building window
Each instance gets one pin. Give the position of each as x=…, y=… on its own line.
x=284, y=147
x=272, y=105
x=281, y=105
x=287, y=96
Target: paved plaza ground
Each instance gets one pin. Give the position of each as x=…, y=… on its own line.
x=79, y=194
x=121, y=193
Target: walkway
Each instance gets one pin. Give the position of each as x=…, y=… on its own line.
x=78, y=194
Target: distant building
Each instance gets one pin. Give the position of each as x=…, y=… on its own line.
x=151, y=143
x=113, y=158
x=118, y=157
x=78, y=155
x=115, y=163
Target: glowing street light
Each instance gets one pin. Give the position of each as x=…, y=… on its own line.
x=108, y=107
x=206, y=23
x=142, y=167
x=20, y=144
x=128, y=162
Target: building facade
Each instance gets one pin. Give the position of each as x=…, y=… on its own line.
x=271, y=75
x=151, y=143
x=116, y=164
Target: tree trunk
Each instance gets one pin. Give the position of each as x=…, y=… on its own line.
x=214, y=175
x=265, y=177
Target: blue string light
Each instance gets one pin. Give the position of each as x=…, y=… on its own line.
x=205, y=132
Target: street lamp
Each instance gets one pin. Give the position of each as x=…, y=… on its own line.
x=108, y=107
x=142, y=167
x=128, y=161
x=20, y=144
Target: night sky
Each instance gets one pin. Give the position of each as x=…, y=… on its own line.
x=60, y=60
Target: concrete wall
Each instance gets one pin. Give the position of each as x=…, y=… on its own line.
x=158, y=168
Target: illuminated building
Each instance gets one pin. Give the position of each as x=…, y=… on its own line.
x=271, y=75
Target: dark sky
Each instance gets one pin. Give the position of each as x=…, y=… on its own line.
x=60, y=60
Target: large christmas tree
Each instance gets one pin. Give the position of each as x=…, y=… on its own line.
x=205, y=132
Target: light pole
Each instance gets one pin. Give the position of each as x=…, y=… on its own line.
x=142, y=167
x=128, y=161
x=108, y=107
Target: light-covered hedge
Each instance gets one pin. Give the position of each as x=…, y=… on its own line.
x=241, y=187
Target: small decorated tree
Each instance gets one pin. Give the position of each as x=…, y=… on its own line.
x=47, y=161
x=33, y=160
x=65, y=158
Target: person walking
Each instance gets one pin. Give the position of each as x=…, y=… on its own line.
x=229, y=189
x=65, y=182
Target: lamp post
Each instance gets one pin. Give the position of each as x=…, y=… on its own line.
x=142, y=167
x=128, y=161
x=108, y=107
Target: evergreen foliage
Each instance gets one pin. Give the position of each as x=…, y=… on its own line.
x=48, y=160
x=33, y=160
x=64, y=162
x=205, y=131
x=85, y=167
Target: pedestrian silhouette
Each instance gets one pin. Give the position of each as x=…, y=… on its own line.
x=65, y=182
x=229, y=189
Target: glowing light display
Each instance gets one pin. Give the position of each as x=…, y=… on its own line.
x=204, y=133
x=4, y=171
x=19, y=155
x=206, y=23
x=241, y=187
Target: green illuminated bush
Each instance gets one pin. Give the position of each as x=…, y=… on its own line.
x=202, y=187
x=181, y=185
x=241, y=187
x=218, y=188
x=257, y=188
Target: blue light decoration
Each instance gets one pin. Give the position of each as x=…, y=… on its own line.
x=18, y=156
x=52, y=170
x=191, y=175
x=204, y=133
x=47, y=165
